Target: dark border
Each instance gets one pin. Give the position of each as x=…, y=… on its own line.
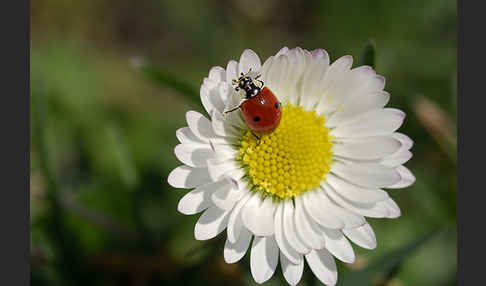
x=471, y=119
x=14, y=118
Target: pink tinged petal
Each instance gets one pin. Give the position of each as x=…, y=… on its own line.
x=282, y=51
x=193, y=155
x=307, y=230
x=233, y=252
x=249, y=60
x=257, y=215
x=217, y=170
x=226, y=195
x=366, y=148
x=407, y=143
x=392, y=207
x=186, y=177
x=349, y=219
x=368, y=175
x=407, y=178
x=186, y=136
x=323, y=266
x=200, y=126
x=353, y=192
x=292, y=272
x=317, y=209
x=235, y=223
x=282, y=242
x=231, y=71
x=289, y=229
x=339, y=246
x=397, y=159
x=263, y=258
x=319, y=53
x=198, y=199
x=363, y=236
x=211, y=223
x=373, y=123
x=366, y=209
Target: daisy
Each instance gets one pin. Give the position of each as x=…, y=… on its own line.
x=303, y=191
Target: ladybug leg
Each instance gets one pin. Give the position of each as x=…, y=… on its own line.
x=256, y=136
x=231, y=110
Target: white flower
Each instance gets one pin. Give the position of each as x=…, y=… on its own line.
x=303, y=190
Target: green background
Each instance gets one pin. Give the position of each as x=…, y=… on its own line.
x=103, y=132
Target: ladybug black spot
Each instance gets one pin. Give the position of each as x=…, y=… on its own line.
x=276, y=105
x=256, y=118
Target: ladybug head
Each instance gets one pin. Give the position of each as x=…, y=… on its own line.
x=247, y=83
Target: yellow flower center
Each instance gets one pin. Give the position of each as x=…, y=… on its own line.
x=292, y=159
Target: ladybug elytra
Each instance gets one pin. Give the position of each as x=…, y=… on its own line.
x=261, y=110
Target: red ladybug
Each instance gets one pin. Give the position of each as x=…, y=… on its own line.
x=261, y=110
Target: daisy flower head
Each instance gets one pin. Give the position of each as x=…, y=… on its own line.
x=302, y=191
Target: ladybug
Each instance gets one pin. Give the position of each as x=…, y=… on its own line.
x=261, y=110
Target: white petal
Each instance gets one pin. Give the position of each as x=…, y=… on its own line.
x=392, y=207
x=373, y=123
x=233, y=252
x=275, y=78
x=257, y=215
x=282, y=242
x=217, y=73
x=223, y=127
x=355, y=193
x=307, y=229
x=224, y=153
x=263, y=258
x=339, y=246
x=292, y=272
x=194, y=155
x=363, y=236
x=359, y=104
x=407, y=143
x=397, y=159
x=211, y=96
x=200, y=126
x=235, y=223
x=407, y=178
x=212, y=222
x=310, y=89
x=366, y=148
x=316, y=208
x=288, y=228
x=366, y=209
x=186, y=136
x=231, y=71
x=197, y=200
x=349, y=219
x=217, y=170
x=368, y=175
x=226, y=194
x=249, y=60
x=323, y=266
x=186, y=177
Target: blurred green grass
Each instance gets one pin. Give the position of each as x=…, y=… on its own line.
x=109, y=130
